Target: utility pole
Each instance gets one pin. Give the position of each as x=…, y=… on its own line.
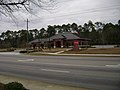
x=27, y=35
x=27, y=31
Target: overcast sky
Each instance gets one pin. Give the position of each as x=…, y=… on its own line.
x=64, y=12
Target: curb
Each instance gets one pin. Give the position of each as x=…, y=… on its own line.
x=94, y=55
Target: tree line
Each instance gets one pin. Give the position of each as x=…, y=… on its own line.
x=99, y=33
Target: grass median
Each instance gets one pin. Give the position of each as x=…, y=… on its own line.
x=37, y=85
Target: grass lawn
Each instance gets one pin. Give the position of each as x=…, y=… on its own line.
x=95, y=51
x=53, y=50
x=3, y=50
x=7, y=50
x=81, y=51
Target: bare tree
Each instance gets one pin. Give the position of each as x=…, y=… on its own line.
x=7, y=7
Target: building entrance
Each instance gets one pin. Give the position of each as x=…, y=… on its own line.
x=58, y=44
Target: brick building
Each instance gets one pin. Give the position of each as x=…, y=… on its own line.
x=61, y=40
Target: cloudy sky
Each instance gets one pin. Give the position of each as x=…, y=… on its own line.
x=64, y=12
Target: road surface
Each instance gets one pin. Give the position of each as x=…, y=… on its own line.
x=102, y=73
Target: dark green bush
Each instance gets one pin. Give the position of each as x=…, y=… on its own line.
x=28, y=51
x=23, y=51
x=14, y=86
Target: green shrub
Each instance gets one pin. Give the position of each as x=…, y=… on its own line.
x=14, y=86
x=23, y=51
x=28, y=51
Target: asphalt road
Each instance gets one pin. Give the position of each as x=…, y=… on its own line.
x=102, y=73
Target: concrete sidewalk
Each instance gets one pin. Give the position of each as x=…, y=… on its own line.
x=113, y=55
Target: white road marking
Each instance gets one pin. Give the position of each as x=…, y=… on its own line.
x=117, y=65
x=74, y=65
x=51, y=70
x=71, y=65
x=27, y=60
